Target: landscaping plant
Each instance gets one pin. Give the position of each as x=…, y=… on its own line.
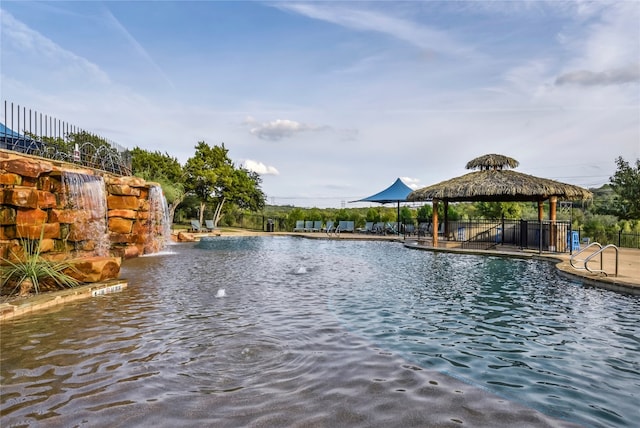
x=29, y=271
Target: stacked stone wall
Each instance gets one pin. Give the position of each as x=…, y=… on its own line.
x=34, y=206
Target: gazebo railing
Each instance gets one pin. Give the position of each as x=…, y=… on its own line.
x=548, y=236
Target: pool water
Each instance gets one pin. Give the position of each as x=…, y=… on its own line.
x=327, y=333
x=512, y=326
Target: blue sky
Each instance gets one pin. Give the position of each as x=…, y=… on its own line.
x=332, y=101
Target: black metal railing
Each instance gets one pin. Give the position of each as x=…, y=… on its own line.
x=489, y=234
x=618, y=238
x=256, y=222
x=28, y=131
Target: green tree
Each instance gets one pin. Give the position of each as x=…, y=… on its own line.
x=245, y=191
x=213, y=178
x=495, y=210
x=406, y=215
x=373, y=215
x=208, y=172
x=626, y=185
x=604, y=200
x=425, y=213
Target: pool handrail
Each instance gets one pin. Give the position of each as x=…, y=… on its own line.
x=574, y=256
x=599, y=251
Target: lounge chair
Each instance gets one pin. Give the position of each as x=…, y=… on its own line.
x=368, y=228
x=329, y=228
x=317, y=226
x=209, y=226
x=345, y=226
x=409, y=229
x=378, y=228
x=390, y=228
x=423, y=229
x=195, y=226
x=299, y=226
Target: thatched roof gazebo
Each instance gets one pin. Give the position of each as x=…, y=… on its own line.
x=495, y=182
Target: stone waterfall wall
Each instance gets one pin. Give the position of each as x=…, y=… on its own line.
x=33, y=204
x=131, y=230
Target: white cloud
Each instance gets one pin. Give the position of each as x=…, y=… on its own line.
x=279, y=129
x=605, y=52
x=260, y=168
x=618, y=76
x=414, y=183
x=424, y=37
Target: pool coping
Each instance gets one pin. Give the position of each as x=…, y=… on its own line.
x=23, y=306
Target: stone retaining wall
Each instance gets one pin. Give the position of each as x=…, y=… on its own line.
x=33, y=205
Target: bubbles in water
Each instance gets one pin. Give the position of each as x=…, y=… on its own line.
x=221, y=293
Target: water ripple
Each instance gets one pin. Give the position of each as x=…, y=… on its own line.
x=326, y=333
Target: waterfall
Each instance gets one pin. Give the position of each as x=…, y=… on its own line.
x=159, y=224
x=85, y=196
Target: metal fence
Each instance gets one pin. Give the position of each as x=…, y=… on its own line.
x=545, y=236
x=550, y=236
x=254, y=222
x=619, y=238
x=28, y=131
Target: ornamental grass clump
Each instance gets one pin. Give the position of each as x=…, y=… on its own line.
x=29, y=271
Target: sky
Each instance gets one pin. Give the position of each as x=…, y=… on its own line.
x=332, y=101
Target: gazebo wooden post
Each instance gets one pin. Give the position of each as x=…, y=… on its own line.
x=540, y=216
x=446, y=219
x=553, y=228
x=435, y=223
x=540, y=210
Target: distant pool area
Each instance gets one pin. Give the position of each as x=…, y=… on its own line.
x=303, y=332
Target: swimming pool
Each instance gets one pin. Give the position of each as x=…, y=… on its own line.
x=328, y=333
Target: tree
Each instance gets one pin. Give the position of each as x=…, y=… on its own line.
x=209, y=170
x=626, y=185
x=425, y=213
x=406, y=215
x=164, y=170
x=496, y=210
x=245, y=190
x=373, y=215
x=212, y=177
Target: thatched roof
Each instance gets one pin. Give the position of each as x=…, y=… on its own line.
x=498, y=186
x=492, y=161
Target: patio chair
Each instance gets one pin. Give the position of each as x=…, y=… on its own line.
x=209, y=225
x=317, y=226
x=390, y=228
x=378, y=228
x=195, y=226
x=299, y=226
x=329, y=227
x=368, y=228
x=409, y=229
x=345, y=226
x=308, y=226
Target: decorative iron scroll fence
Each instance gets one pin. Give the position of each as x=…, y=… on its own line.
x=28, y=131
